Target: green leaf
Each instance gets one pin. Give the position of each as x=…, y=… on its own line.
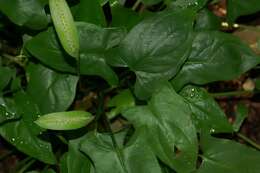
x=150, y=2
x=64, y=120
x=206, y=113
x=135, y=157
x=169, y=129
x=28, y=110
x=74, y=161
x=241, y=115
x=236, y=8
x=194, y=4
x=215, y=56
x=207, y=20
x=90, y=11
x=50, y=90
x=156, y=48
x=121, y=102
x=25, y=12
x=23, y=133
x=46, y=48
x=122, y=16
x=6, y=75
x=65, y=26
x=220, y=155
x=5, y=115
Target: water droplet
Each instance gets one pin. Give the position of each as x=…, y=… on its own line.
x=196, y=3
x=21, y=142
x=212, y=130
x=13, y=139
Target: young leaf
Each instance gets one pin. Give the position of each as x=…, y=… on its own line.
x=206, y=113
x=221, y=155
x=65, y=26
x=121, y=102
x=64, y=120
x=241, y=114
x=169, y=129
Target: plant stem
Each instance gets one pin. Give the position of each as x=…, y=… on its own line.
x=135, y=6
x=231, y=93
x=27, y=165
x=249, y=141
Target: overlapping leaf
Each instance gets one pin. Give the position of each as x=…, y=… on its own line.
x=170, y=131
x=221, y=155
x=155, y=49
x=94, y=41
x=215, y=56
x=25, y=12
x=135, y=157
x=206, y=114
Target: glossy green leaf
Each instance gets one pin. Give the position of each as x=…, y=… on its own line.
x=135, y=157
x=5, y=115
x=169, y=129
x=46, y=48
x=241, y=114
x=64, y=120
x=65, y=27
x=156, y=48
x=74, y=161
x=25, y=12
x=122, y=16
x=121, y=102
x=194, y=4
x=206, y=113
x=221, y=155
x=90, y=11
x=23, y=134
x=50, y=90
x=207, y=20
x=236, y=8
x=6, y=75
x=215, y=56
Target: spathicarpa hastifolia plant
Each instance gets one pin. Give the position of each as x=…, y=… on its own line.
x=138, y=103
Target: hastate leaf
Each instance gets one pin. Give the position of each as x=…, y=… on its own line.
x=215, y=56
x=94, y=41
x=206, y=113
x=156, y=48
x=221, y=155
x=135, y=157
x=23, y=134
x=169, y=129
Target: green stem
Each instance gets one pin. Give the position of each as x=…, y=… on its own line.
x=231, y=93
x=137, y=3
x=249, y=141
x=26, y=166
